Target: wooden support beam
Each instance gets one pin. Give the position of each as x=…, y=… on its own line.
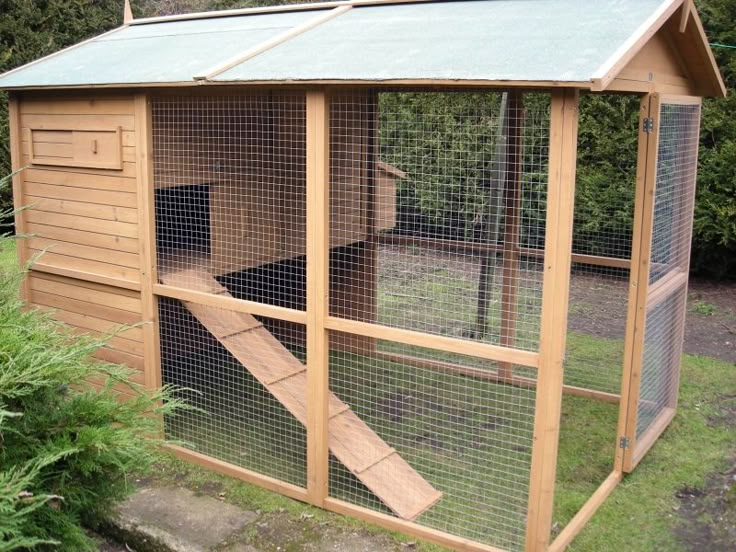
x=641, y=249
x=147, y=240
x=468, y=247
x=231, y=470
x=685, y=11
x=576, y=524
x=555, y=295
x=491, y=375
x=318, y=261
x=272, y=43
x=19, y=201
x=408, y=527
x=512, y=226
x=439, y=342
x=127, y=13
x=230, y=303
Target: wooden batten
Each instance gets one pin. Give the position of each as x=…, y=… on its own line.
x=638, y=281
x=318, y=261
x=147, y=241
x=555, y=294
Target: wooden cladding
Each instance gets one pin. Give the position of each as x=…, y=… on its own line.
x=97, y=149
x=80, y=188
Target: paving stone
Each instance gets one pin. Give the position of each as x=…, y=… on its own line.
x=178, y=520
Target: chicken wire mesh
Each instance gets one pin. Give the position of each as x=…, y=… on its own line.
x=602, y=240
x=456, y=254
x=674, y=198
x=245, y=412
x=230, y=193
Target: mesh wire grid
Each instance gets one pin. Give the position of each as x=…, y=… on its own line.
x=437, y=225
x=671, y=233
x=456, y=254
x=602, y=238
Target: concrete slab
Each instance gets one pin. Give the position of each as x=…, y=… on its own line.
x=177, y=520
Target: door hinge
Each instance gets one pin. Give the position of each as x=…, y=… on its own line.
x=648, y=125
x=623, y=442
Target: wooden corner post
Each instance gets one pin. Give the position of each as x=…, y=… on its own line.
x=318, y=256
x=16, y=163
x=147, y=240
x=553, y=333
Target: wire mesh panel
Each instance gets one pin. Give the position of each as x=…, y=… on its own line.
x=229, y=174
x=230, y=193
x=671, y=233
x=245, y=411
x=437, y=226
x=602, y=232
x=437, y=445
x=456, y=224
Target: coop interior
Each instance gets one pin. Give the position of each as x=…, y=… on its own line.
x=437, y=227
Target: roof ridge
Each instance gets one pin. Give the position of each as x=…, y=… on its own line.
x=283, y=8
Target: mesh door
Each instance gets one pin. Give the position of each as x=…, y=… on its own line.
x=674, y=195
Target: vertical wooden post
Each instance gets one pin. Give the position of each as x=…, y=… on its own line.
x=557, y=259
x=16, y=162
x=318, y=258
x=512, y=227
x=147, y=240
x=646, y=176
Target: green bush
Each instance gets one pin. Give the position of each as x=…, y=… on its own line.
x=66, y=448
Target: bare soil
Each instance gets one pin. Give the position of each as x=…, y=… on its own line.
x=598, y=307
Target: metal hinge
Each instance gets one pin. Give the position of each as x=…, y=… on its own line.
x=623, y=442
x=648, y=125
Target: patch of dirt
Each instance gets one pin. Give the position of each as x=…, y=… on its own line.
x=708, y=515
x=285, y=533
x=598, y=303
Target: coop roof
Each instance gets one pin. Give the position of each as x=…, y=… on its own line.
x=579, y=43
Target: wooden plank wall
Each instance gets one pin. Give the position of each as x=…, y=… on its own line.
x=84, y=224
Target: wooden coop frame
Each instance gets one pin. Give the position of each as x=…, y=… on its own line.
x=85, y=139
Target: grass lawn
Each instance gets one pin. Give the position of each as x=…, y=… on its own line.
x=643, y=514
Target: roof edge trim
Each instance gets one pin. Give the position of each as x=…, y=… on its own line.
x=272, y=43
x=419, y=83
x=720, y=85
x=63, y=51
x=606, y=73
x=274, y=9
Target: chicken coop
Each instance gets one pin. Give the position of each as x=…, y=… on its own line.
x=348, y=232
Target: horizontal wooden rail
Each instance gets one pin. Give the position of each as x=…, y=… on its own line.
x=231, y=304
x=665, y=287
x=86, y=276
x=580, y=519
x=450, y=246
x=491, y=375
x=275, y=485
x=408, y=527
x=438, y=342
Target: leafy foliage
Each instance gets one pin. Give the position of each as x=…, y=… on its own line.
x=65, y=446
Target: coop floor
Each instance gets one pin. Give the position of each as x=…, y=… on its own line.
x=444, y=439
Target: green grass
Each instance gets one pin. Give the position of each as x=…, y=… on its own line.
x=447, y=414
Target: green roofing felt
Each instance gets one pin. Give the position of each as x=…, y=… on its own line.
x=528, y=40
x=493, y=40
x=158, y=53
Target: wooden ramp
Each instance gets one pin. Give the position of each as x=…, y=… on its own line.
x=352, y=442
